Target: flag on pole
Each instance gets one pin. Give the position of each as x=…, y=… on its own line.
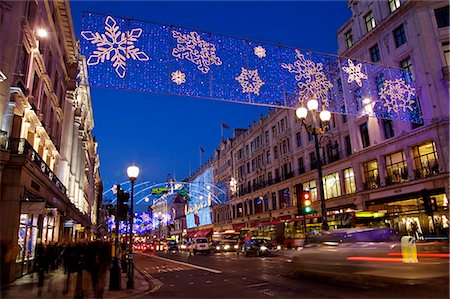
x=225, y=126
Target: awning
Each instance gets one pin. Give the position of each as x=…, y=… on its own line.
x=279, y=219
x=238, y=227
x=204, y=233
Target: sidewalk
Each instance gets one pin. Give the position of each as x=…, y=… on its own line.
x=26, y=287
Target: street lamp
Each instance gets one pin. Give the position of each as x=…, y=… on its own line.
x=315, y=129
x=133, y=172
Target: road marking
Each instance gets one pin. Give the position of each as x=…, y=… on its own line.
x=171, y=285
x=226, y=279
x=208, y=281
x=244, y=278
x=191, y=283
x=257, y=285
x=189, y=265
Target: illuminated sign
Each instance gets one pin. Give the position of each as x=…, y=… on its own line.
x=159, y=190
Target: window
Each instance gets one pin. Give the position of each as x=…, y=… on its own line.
x=312, y=159
x=370, y=21
x=371, y=175
x=375, y=53
x=246, y=150
x=344, y=113
x=298, y=138
x=275, y=152
x=388, y=129
x=331, y=185
x=349, y=38
x=426, y=160
x=349, y=181
x=274, y=132
x=310, y=136
x=442, y=16
x=348, y=145
x=339, y=85
x=269, y=160
x=267, y=136
x=285, y=198
x=406, y=64
x=394, y=5
x=274, y=201
x=396, y=169
x=301, y=166
x=446, y=49
x=399, y=36
x=364, y=130
x=379, y=82
x=312, y=188
x=358, y=98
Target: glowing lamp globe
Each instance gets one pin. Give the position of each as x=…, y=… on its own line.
x=325, y=115
x=301, y=112
x=41, y=32
x=133, y=172
x=312, y=104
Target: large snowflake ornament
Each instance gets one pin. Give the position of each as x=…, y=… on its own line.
x=250, y=81
x=115, y=46
x=193, y=48
x=259, y=51
x=397, y=94
x=354, y=72
x=178, y=77
x=311, y=79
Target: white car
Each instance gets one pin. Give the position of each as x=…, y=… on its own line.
x=199, y=245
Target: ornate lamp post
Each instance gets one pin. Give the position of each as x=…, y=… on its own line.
x=133, y=172
x=316, y=129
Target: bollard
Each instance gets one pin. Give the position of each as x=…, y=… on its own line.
x=409, y=250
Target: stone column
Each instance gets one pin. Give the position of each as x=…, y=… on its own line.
x=24, y=128
x=63, y=172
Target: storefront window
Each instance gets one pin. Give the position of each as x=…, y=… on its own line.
x=27, y=237
x=312, y=188
x=396, y=169
x=371, y=175
x=331, y=185
x=425, y=160
x=349, y=181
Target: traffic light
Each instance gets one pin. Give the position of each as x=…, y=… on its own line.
x=123, y=196
x=306, y=203
x=123, y=211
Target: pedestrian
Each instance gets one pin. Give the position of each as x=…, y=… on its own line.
x=41, y=264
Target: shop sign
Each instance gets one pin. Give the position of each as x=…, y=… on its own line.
x=32, y=207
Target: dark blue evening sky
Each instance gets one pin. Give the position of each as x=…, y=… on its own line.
x=162, y=134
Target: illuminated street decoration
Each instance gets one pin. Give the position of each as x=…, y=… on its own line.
x=260, y=51
x=193, y=48
x=178, y=77
x=354, y=72
x=250, y=81
x=206, y=65
x=115, y=46
x=397, y=94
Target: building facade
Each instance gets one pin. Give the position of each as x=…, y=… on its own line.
x=379, y=166
x=50, y=183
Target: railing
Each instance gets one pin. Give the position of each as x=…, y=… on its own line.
x=372, y=182
x=426, y=171
x=22, y=147
x=398, y=176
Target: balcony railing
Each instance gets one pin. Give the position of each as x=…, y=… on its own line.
x=22, y=147
x=397, y=177
x=426, y=171
x=372, y=182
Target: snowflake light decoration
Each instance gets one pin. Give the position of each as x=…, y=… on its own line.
x=193, y=48
x=115, y=46
x=250, y=81
x=178, y=77
x=397, y=94
x=259, y=51
x=312, y=81
x=354, y=73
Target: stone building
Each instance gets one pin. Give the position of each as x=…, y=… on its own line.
x=50, y=183
x=379, y=170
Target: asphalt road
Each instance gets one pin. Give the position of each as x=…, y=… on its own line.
x=228, y=275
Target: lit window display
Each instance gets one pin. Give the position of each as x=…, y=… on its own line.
x=331, y=185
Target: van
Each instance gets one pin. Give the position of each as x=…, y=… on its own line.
x=199, y=245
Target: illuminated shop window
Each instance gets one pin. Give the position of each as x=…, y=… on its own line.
x=331, y=186
x=371, y=175
x=312, y=188
x=426, y=160
x=396, y=168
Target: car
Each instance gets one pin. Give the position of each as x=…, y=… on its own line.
x=199, y=245
x=229, y=245
x=214, y=246
x=367, y=256
x=184, y=246
x=172, y=245
x=259, y=247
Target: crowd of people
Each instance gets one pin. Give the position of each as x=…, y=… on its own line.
x=77, y=259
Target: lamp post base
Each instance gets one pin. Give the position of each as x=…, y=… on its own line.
x=115, y=276
x=130, y=281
